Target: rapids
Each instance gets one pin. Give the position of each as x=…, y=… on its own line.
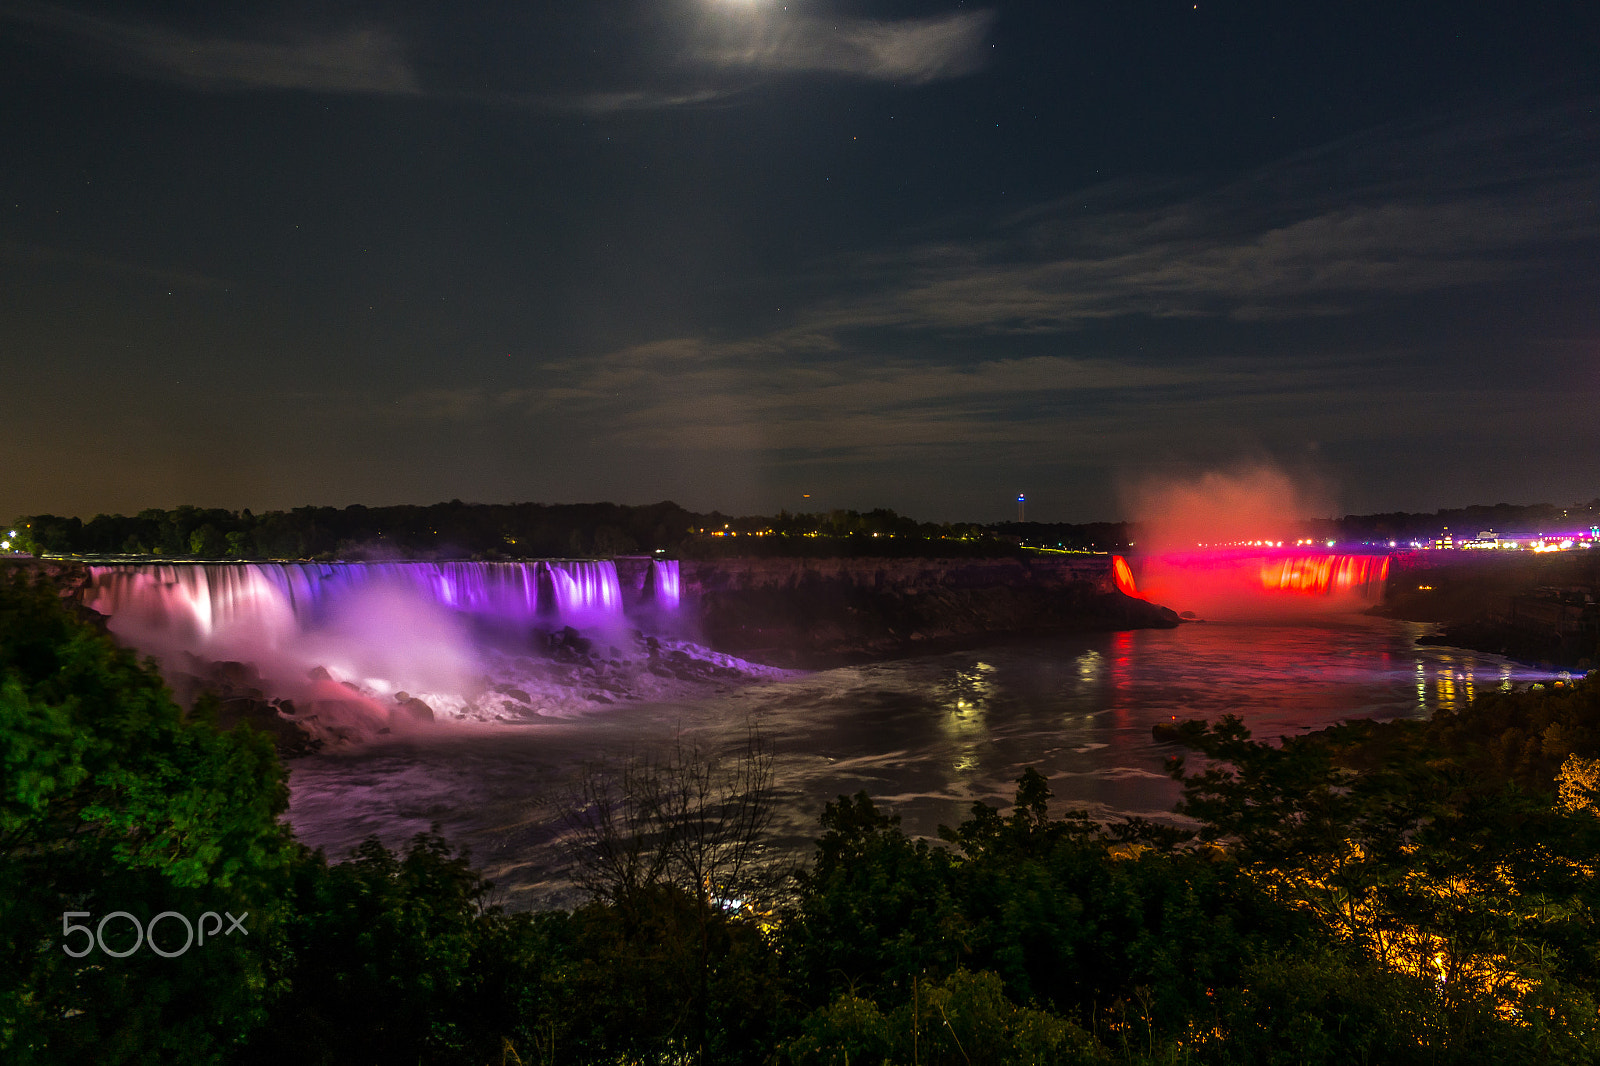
x=925, y=736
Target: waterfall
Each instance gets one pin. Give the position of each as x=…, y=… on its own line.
x=585, y=593
x=662, y=586
x=1326, y=575
x=1122, y=577
x=1245, y=583
x=274, y=600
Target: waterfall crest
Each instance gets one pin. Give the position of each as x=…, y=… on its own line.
x=274, y=600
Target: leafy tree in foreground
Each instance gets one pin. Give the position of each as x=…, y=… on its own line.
x=670, y=849
x=384, y=961
x=111, y=799
x=1429, y=866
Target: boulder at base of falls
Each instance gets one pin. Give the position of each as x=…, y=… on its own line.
x=409, y=711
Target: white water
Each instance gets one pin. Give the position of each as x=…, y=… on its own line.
x=926, y=737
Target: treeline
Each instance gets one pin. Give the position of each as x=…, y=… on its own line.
x=1090, y=536
x=1468, y=521
x=1409, y=893
x=489, y=531
x=443, y=530
x=533, y=530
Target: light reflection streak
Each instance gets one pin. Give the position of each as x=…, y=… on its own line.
x=965, y=723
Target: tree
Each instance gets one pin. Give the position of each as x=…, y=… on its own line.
x=112, y=799
x=382, y=961
x=1427, y=864
x=875, y=910
x=208, y=542
x=685, y=819
x=655, y=837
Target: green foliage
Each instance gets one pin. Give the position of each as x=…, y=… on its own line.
x=1429, y=859
x=965, y=1018
x=381, y=957
x=450, y=530
x=208, y=542
x=627, y=986
x=523, y=530
x=112, y=801
x=876, y=908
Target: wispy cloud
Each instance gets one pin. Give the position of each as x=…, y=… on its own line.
x=611, y=103
x=791, y=392
x=1412, y=212
x=914, y=51
x=359, y=59
x=975, y=311
x=37, y=255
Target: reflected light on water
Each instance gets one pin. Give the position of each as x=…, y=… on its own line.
x=965, y=728
x=1090, y=665
x=926, y=737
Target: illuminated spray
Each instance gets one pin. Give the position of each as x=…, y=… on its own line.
x=1224, y=545
x=388, y=627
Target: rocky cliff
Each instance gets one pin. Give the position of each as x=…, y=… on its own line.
x=814, y=612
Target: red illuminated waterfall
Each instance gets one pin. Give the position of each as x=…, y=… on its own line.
x=1323, y=575
x=1122, y=575
x=1245, y=582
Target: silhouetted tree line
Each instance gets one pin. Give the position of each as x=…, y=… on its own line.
x=1089, y=536
x=1416, y=892
x=509, y=531
x=443, y=530
x=1468, y=521
x=533, y=530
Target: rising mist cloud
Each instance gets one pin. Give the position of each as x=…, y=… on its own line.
x=1244, y=503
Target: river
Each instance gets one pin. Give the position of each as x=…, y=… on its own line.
x=926, y=737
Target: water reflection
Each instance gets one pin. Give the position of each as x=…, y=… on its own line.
x=1090, y=665
x=967, y=703
x=926, y=736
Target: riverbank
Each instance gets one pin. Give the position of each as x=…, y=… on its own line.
x=1535, y=608
x=816, y=613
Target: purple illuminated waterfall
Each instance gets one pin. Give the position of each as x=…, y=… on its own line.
x=661, y=584
x=355, y=646
x=275, y=600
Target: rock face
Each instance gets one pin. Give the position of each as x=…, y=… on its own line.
x=240, y=696
x=817, y=612
x=1535, y=607
x=409, y=711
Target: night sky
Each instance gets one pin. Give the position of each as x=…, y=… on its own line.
x=730, y=252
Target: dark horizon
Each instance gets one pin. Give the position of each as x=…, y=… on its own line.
x=475, y=526
x=1591, y=504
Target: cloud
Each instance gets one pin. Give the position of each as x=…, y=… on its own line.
x=36, y=255
x=954, y=351
x=913, y=51
x=611, y=103
x=1443, y=209
x=360, y=59
x=788, y=393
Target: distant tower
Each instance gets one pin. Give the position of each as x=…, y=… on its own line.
x=1022, y=507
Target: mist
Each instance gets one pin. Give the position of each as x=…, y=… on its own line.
x=1231, y=545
